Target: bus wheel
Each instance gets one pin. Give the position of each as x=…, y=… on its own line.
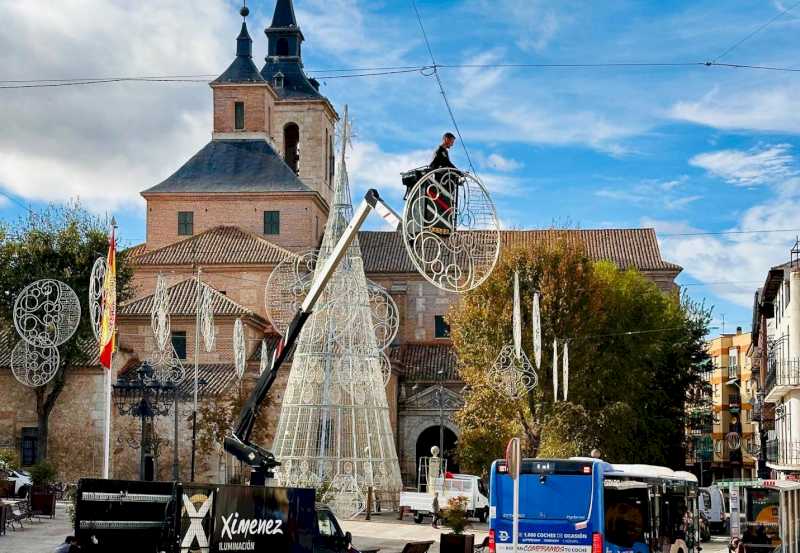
x=418, y=518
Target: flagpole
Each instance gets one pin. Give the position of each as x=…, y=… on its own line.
x=107, y=424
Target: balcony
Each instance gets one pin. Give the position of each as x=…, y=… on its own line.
x=783, y=453
x=733, y=371
x=782, y=376
x=734, y=402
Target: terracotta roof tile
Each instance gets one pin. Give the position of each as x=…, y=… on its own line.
x=384, y=251
x=217, y=246
x=426, y=362
x=183, y=302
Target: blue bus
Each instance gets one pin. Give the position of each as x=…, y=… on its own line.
x=586, y=505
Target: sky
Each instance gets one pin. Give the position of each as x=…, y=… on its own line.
x=706, y=155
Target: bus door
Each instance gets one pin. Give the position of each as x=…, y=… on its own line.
x=627, y=516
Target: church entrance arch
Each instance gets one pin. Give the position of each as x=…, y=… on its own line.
x=430, y=437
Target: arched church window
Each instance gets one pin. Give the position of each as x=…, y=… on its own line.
x=282, y=48
x=277, y=80
x=291, y=146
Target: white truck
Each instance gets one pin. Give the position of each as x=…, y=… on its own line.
x=420, y=503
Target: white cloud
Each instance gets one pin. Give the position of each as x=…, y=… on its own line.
x=774, y=108
x=757, y=166
x=504, y=164
x=666, y=193
x=533, y=23
x=106, y=143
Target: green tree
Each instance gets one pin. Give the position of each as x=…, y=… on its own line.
x=626, y=390
x=61, y=242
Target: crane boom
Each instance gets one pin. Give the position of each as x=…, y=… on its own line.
x=238, y=443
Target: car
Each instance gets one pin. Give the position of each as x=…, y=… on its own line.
x=22, y=482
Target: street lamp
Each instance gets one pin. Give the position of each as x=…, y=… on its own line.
x=145, y=397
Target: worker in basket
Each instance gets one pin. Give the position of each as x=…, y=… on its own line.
x=441, y=190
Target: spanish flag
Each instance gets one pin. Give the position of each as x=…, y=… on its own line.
x=109, y=312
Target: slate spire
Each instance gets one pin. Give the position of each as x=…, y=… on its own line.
x=284, y=15
x=242, y=70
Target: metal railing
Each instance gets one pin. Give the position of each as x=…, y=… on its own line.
x=783, y=452
x=782, y=372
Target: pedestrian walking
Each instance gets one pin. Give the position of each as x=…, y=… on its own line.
x=436, y=511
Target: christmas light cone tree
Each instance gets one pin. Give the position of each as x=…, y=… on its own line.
x=334, y=432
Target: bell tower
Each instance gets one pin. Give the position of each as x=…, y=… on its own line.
x=303, y=120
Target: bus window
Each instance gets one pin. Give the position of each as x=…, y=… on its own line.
x=560, y=493
x=626, y=518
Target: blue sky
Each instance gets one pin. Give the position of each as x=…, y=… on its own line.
x=682, y=149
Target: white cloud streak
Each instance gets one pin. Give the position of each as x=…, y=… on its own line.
x=761, y=165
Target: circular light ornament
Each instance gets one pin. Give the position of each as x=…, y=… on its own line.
x=287, y=285
x=207, y=317
x=451, y=231
x=385, y=314
x=734, y=441
x=47, y=312
x=159, y=315
x=34, y=366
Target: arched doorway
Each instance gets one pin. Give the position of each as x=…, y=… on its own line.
x=430, y=437
x=291, y=146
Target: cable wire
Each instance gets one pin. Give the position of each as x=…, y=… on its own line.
x=435, y=69
x=755, y=32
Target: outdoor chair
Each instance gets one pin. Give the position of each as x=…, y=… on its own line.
x=417, y=547
x=16, y=516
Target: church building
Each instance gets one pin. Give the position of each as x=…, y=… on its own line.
x=258, y=193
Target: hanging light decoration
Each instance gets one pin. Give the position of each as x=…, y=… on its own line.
x=565, y=360
x=385, y=314
x=96, y=281
x=34, y=366
x=555, y=370
x=239, y=348
x=207, y=317
x=536, y=320
x=47, y=312
x=159, y=315
x=264, y=361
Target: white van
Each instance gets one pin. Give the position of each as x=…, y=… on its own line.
x=712, y=505
x=455, y=485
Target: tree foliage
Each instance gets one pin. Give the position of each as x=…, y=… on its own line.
x=62, y=243
x=634, y=352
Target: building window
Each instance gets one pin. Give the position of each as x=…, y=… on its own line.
x=442, y=329
x=238, y=110
x=282, y=48
x=185, y=223
x=291, y=146
x=272, y=222
x=29, y=447
x=277, y=80
x=179, y=343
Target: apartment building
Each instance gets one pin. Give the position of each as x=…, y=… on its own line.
x=720, y=431
x=777, y=312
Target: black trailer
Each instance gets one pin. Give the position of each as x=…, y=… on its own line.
x=153, y=517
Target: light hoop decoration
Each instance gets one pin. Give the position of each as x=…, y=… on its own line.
x=239, y=348
x=537, y=332
x=159, y=315
x=264, y=361
x=96, y=292
x=34, y=366
x=734, y=441
x=450, y=230
x=47, y=313
x=286, y=287
x=206, y=317
x=166, y=366
x=385, y=315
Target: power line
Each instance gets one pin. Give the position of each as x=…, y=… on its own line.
x=755, y=32
x=723, y=232
x=441, y=87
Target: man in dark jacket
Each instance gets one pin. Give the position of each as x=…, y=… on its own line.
x=442, y=157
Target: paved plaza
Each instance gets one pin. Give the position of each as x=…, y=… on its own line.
x=383, y=531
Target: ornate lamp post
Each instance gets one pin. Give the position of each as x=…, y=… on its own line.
x=146, y=397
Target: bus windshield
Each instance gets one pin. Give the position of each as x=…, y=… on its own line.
x=546, y=497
